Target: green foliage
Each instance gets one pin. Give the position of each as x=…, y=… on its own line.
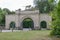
x=43, y=24
x=3, y=12
x=8, y=11
x=12, y=25
x=56, y=22
x=2, y=16
x=44, y=6
x=27, y=23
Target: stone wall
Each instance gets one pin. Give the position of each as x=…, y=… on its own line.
x=34, y=15
x=9, y=19
x=47, y=18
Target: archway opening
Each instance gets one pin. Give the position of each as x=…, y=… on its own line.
x=12, y=25
x=28, y=23
x=43, y=24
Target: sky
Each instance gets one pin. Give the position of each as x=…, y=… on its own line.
x=15, y=4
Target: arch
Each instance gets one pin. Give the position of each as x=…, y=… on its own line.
x=26, y=16
x=28, y=23
x=12, y=24
x=43, y=24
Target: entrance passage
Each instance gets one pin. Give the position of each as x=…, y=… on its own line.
x=43, y=24
x=12, y=25
x=28, y=23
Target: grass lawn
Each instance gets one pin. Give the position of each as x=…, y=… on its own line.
x=27, y=35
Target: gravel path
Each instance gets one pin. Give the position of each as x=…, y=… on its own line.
x=25, y=29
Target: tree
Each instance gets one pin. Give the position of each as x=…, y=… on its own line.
x=2, y=16
x=44, y=6
x=3, y=12
x=12, y=12
x=8, y=11
x=56, y=22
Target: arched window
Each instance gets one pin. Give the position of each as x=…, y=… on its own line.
x=43, y=24
x=12, y=24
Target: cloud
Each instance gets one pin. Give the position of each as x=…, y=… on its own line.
x=15, y=4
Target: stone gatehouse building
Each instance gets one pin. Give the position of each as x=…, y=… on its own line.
x=39, y=20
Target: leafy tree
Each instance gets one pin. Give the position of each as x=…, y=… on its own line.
x=7, y=10
x=12, y=12
x=56, y=22
x=3, y=12
x=2, y=16
x=44, y=6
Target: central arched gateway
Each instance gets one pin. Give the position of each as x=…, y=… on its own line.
x=28, y=23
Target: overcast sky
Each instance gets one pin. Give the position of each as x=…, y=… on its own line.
x=15, y=4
